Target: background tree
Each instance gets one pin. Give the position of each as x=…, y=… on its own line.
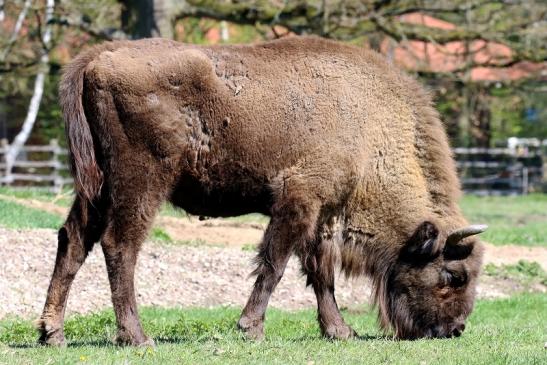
x=38, y=90
x=477, y=112
x=520, y=26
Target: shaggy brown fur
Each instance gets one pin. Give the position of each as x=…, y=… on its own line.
x=344, y=152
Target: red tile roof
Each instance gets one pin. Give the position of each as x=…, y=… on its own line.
x=450, y=57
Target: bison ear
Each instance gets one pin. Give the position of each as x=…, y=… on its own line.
x=422, y=245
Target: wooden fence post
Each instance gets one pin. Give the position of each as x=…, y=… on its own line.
x=57, y=179
x=6, y=178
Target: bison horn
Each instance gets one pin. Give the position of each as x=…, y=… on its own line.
x=459, y=234
x=455, y=251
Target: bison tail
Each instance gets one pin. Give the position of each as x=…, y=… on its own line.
x=88, y=177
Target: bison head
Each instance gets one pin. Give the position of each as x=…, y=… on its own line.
x=430, y=290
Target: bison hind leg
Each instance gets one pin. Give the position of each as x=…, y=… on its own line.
x=76, y=238
x=128, y=225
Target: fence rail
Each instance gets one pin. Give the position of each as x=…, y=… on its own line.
x=44, y=165
x=502, y=171
x=484, y=171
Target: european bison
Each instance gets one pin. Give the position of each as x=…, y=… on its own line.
x=345, y=154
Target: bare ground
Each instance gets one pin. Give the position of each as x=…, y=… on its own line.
x=230, y=233
x=187, y=275
x=211, y=273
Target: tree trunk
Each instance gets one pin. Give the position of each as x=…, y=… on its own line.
x=150, y=18
x=2, y=13
x=34, y=105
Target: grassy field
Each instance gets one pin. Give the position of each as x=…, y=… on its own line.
x=13, y=215
x=509, y=331
x=513, y=220
x=520, y=220
x=503, y=331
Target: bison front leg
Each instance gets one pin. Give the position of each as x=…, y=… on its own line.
x=81, y=230
x=322, y=279
x=293, y=223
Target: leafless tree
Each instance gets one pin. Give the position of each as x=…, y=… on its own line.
x=43, y=68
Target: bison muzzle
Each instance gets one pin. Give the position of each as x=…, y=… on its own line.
x=344, y=152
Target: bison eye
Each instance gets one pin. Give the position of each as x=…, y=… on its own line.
x=455, y=279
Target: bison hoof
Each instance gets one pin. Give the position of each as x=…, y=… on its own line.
x=339, y=332
x=253, y=329
x=52, y=338
x=56, y=339
x=124, y=338
x=50, y=335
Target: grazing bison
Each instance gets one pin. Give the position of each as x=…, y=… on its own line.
x=344, y=153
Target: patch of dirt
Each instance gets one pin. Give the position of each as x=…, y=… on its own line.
x=210, y=274
x=167, y=275
x=49, y=207
x=492, y=287
x=511, y=254
x=237, y=234
x=172, y=275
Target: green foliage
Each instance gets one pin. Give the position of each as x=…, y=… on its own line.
x=518, y=26
x=16, y=85
x=194, y=30
x=508, y=109
x=499, y=331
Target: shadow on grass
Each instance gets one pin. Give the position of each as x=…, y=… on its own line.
x=95, y=343
x=182, y=340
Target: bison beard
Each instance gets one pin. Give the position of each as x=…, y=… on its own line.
x=343, y=152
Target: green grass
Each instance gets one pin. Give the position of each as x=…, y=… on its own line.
x=64, y=199
x=170, y=211
x=158, y=234
x=508, y=331
x=520, y=220
x=525, y=272
x=13, y=215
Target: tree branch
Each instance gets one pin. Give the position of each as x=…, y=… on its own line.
x=17, y=66
x=352, y=18
x=103, y=34
x=16, y=29
x=22, y=137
